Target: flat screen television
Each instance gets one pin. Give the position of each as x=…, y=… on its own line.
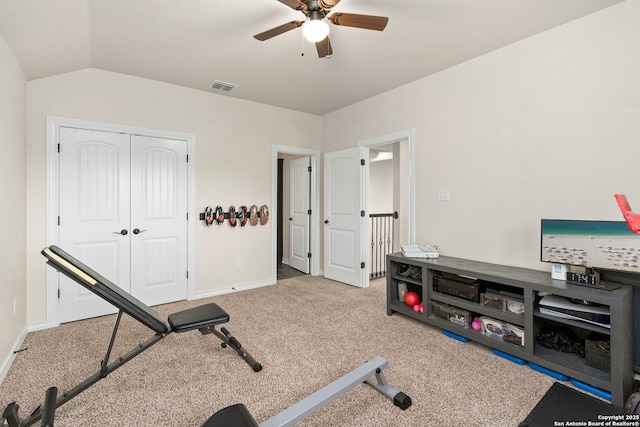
x=608, y=245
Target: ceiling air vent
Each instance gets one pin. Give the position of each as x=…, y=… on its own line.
x=223, y=86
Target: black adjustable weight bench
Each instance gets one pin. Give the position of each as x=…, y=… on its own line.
x=203, y=318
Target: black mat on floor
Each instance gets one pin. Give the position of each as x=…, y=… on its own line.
x=562, y=404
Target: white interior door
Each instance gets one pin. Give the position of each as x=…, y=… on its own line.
x=299, y=187
x=344, y=217
x=123, y=211
x=93, y=215
x=158, y=219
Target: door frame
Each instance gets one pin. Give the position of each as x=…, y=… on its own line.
x=314, y=245
x=408, y=135
x=53, y=125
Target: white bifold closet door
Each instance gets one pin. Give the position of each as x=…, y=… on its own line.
x=123, y=212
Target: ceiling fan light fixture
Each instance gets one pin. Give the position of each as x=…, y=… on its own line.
x=315, y=27
x=315, y=30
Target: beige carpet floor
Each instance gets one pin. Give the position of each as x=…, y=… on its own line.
x=306, y=332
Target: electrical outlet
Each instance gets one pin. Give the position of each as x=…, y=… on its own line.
x=238, y=262
x=15, y=305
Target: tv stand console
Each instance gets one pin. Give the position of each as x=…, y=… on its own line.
x=527, y=318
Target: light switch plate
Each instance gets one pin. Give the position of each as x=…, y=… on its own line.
x=443, y=194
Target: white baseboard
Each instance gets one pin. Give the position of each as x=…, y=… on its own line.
x=9, y=360
x=37, y=326
x=232, y=289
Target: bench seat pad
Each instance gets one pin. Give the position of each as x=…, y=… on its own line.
x=198, y=318
x=232, y=416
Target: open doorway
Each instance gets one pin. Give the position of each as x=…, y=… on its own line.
x=390, y=198
x=293, y=217
x=295, y=234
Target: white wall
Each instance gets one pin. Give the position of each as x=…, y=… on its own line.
x=381, y=186
x=12, y=202
x=544, y=128
x=234, y=141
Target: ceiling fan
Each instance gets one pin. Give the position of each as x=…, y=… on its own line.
x=315, y=27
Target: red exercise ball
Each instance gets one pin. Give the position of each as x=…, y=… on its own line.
x=411, y=299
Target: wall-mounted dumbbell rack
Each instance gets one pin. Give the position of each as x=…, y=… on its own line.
x=242, y=216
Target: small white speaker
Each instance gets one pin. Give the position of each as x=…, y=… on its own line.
x=559, y=272
x=402, y=290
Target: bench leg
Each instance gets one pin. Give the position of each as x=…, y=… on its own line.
x=229, y=340
x=379, y=382
x=10, y=414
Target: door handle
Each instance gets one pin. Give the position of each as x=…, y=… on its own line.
x=326, y=221
x=138, y=231
x=123, y=232
x=290, y=218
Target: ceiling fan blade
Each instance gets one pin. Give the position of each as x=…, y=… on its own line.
x=328, y=4
x=278, y=30
x=294, y=4
x=324, y=48
x=368, y=22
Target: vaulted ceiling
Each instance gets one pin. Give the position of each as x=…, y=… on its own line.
x=193, y=42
